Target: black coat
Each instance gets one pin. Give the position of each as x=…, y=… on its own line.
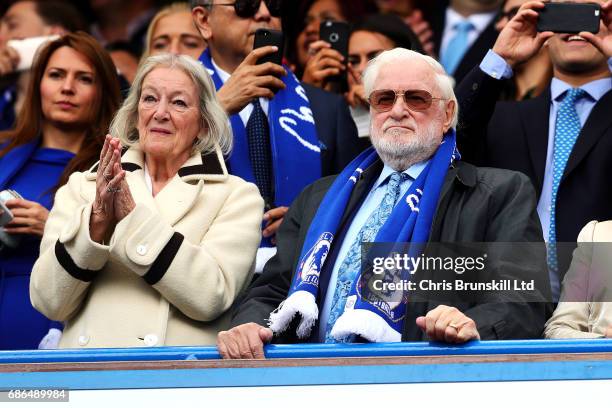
x=514, y=136
x=476, y=205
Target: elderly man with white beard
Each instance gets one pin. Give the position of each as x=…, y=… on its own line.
x=410, y=187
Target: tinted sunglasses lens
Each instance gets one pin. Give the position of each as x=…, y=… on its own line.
x=275, y=7
x=246, y=8
x=382, y=100
x=418, y=100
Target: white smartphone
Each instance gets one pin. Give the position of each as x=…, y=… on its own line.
x=6, y=215
x=27, y=48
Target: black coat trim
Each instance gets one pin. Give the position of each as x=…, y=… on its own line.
x=163, y=261
x=65, y=260
x=210, y=165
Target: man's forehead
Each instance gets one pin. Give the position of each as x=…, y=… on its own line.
x=406, y=74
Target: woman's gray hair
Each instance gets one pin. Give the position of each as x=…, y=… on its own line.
x=215, y=129
x=444, y=81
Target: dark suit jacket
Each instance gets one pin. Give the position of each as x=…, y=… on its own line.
x=335, y=128
x=474, y=54
x=476, y=205
x=514, y=135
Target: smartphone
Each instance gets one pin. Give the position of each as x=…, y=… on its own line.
x=570, y=18
x=265, y=37
x=337, y=34
x=6, y=215
x=27, y=48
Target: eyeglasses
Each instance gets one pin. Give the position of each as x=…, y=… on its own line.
x=248, y=8
x=508, y=14
x=383, y=100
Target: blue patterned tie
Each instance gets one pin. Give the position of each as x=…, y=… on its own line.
x=457, y=46
x=258, y=135
x=567, y=128
x=349, y=270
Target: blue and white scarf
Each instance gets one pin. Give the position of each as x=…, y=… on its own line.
x=296, y=150
x=410, y=221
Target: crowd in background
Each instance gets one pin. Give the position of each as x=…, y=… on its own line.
x=110, y=56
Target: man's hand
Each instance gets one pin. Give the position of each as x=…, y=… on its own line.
x=356, y=96
x=244, y=341
x=448, y=324
x=608, y=332
x=602, y=40
x=325, y=62
x=29, y=217
x=273, y=219
x=9, y=59
x=423, y=31
x=251, y=81
x=520, y=39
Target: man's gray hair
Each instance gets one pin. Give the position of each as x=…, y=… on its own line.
x=402, y=55
x=215, y=130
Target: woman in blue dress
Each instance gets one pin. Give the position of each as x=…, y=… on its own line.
x=73, y=95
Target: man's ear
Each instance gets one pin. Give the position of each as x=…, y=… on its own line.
x=451, y=107
x=201, y=17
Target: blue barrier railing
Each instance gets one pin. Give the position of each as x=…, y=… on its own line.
x=314, y=351
x=131, y=368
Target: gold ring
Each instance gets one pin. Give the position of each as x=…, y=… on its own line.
x=454, y=326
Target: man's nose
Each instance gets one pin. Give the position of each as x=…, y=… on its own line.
x=263, y=14
x=399, y=109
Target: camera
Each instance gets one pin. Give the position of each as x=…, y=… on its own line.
x=11, y=241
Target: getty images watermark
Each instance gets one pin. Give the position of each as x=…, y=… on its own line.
x=503, y=272
x=458, y=265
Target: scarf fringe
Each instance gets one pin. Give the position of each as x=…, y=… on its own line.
x=366, y=324
x=302, y=303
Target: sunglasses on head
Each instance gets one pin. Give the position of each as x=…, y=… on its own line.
x=248, y=8
x=383, y=100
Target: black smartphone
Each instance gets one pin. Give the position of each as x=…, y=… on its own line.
x=569, y=18
x=337, y=34
x=265, y=37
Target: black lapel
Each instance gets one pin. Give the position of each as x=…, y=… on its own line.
x=361, y=188
x=436, y=20
x=535, y=115
x=597, y=123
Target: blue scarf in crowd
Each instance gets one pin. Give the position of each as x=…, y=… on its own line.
x=410, y=221
x=296, y=151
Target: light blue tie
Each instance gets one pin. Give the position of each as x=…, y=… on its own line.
x=457, y=46
x=567, y=128
x=349, y=270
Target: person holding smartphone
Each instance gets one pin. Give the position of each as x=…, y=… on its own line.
x=560, y=139
x=74, y=93
x=286, y=134
x=27, y=19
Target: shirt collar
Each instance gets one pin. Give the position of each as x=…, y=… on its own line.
x=222, y=74
x=479, y=20
x=413, y=172
x=596, y=89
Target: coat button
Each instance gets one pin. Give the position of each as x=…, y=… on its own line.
x=141, y=250
x=83, y=340
x=150, y=340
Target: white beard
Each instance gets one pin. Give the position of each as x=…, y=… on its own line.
x=398, y=153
